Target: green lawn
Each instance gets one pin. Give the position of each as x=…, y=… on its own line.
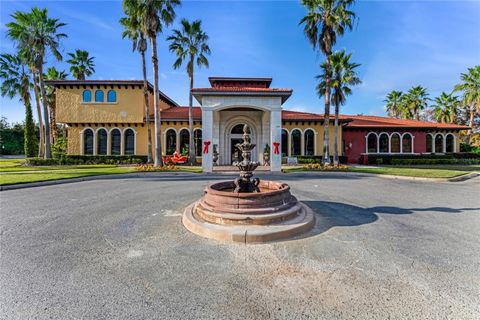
x=12, y=171
x=421, y=171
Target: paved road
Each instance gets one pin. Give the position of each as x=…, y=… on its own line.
x=116, y=249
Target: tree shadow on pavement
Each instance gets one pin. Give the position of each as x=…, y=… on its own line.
x=335, y=214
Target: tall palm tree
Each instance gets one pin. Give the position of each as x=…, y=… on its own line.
x=81, y=65
x=394, y=103
x=415, y=100
x=343, y=76
x=133, y=30
x=53, y=74
x=190, y=44
x=16, y=82
x=325, y=20
x=155, y=16
x=470, y=86
x=35, y=32
x=445, y=108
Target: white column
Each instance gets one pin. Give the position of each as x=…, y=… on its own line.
x=302, y=143
x=207, y=135
x=275, y=136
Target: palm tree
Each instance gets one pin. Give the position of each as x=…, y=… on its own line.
x=53, y=74
x=190, y=44
x=154, y=16
x=394, y=103
x=343, y=76
x=34, y=34
x=325, y=20
x=16, y=82
x=81, y=65
x=414, y=101
x=133, y=30
x=470, y=86
x=445, y=108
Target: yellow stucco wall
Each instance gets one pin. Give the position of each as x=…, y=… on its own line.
x=318, y=128
x=129, y=107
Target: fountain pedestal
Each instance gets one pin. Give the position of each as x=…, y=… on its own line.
x=246, y=209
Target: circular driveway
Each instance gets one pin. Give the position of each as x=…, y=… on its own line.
x=116, y=249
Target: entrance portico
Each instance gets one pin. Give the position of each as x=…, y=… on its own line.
x=234, y=102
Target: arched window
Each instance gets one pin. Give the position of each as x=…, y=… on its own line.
x=296, y=142
x=429, y=143
x=284, y=143
x=99, y=96
x=88, y=141
x=102, y=142
x=372, y=143
x=184, y=141
x=439, y=144
x=87, y=96
x=309, y=137
x=449, y=143
x=129, y=141
x=407, y=143
x=395, y=143
x=171, y=141
x=111, y=96
x=115, y=142
x=197, y=137
x=383, y=143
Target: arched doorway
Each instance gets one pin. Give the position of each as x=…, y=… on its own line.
x=236, y=137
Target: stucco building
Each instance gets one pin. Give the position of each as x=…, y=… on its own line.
x=108, y=118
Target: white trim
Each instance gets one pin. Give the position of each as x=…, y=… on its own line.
x=435, y=143
x=96, y=140
x=366, y=141
x=454, y=142
x=82, y=144
x=301, y=141
x=178, y=137
x=134, y=140
x=412, y=137
x=229, y=125
x=378, y=142
x=110, y=140
x=314, y=138
x=399, y=141
x=165, y=139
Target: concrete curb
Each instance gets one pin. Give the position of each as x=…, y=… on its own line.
x=464, y=177
x=90, y=178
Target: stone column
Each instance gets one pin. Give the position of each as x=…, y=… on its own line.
x=207, y=135
x=275, y=136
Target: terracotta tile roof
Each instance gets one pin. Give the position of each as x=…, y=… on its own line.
x=288, y=115
x=180, y=113
x=377, y=121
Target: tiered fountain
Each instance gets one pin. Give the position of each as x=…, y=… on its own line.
x=246, y=209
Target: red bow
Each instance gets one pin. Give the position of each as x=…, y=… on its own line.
x=205, y=146
x=275, y=147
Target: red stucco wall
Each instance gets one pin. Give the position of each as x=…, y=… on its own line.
x=354, y=140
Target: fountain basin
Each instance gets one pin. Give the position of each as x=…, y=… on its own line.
x=271, y=214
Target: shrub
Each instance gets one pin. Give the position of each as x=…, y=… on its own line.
x=320, y=167
x=318, y=159
x=434, y=161
x=59, y=148
x=81, y=159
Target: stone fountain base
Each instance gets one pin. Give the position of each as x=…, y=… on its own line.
x=271, y=214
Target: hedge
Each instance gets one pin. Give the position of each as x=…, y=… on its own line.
x=434, y=161
x=78, y=159
x=378, y=159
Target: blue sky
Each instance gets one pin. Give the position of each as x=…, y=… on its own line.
x=399, y=44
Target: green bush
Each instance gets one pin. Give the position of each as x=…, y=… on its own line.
x=387, y=159
x=408, y=162
x=78, y=159
x=59, y=148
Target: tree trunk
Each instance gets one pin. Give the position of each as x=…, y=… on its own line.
x=191, y=147
x=335, y=134
x=470, y=123
x=53, y=121
x=326, y=118
x=39, y=114
x=29, y=127
x=48, y=153
x=147, y=109
x=156, y=106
